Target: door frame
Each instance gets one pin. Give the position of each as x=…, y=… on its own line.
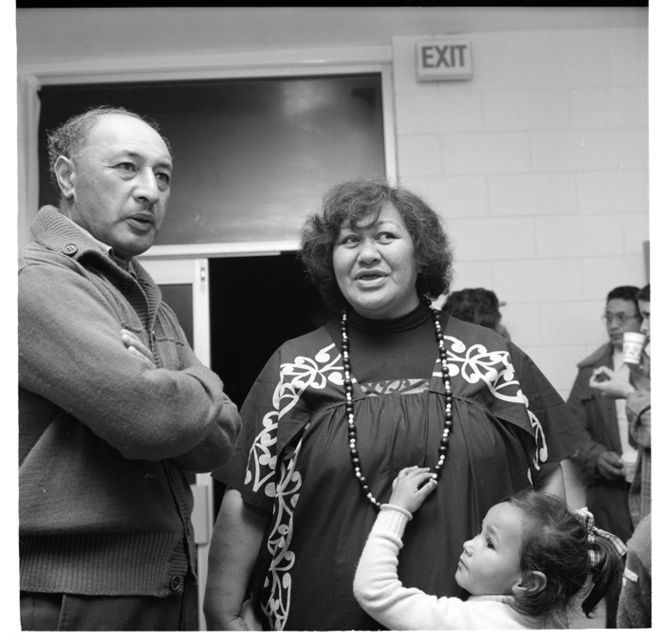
x=194, y=272
x=287, y=63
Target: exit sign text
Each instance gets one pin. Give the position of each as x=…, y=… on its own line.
x=444, y=59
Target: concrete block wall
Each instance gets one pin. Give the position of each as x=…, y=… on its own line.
x=539, y=168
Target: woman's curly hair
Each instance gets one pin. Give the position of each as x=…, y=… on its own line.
x=555, y=543
x=353, y=201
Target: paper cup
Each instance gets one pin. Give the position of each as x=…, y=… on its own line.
x=632, y=347
x=629, y=465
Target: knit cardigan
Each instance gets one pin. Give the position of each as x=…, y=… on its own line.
x=104, y=440
x=380, y=593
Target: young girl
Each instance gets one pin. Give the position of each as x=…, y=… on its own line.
x=529, y=564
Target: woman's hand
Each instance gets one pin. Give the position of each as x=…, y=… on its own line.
x=608, y=384
x=245, y=621
x=249, y=616
x=234, y=547
x=406, y=490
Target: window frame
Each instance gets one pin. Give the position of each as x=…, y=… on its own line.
x=350, y=61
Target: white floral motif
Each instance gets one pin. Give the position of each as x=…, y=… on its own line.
x=277, y=599
x=495, y=369
x=294, y=378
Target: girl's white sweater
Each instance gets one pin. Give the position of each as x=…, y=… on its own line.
x=380, y=593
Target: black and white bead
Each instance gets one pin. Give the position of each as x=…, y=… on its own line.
x=350, y=406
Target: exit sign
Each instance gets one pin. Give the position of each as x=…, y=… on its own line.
x=444, y=59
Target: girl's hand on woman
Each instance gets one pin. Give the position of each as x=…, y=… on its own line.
x=411, y=487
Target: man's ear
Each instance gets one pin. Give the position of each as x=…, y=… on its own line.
x=64, y=173
x=531, y=583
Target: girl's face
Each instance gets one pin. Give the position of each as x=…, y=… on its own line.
x=376, y=268
x=489, y=564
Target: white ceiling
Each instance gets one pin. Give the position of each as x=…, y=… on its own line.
x=60, y=34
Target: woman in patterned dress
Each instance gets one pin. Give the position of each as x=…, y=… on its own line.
x=337, y=413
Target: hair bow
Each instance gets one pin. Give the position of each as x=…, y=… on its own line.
x=587, y=520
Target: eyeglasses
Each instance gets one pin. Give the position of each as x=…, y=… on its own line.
x=620, y=318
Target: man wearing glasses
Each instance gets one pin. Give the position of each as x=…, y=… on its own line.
x=606, y=422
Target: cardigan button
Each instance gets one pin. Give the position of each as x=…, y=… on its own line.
x=70, y=249
x=176, y=582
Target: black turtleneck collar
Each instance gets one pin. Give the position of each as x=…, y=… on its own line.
x=419, y=315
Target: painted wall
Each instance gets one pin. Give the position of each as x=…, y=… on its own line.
x=539, y=166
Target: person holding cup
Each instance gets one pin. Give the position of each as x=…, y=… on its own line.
x=605, y=419
x=636, y=394
x=600, y=458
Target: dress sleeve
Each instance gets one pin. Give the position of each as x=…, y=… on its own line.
x=498, y=375
x=562, y=433
x=279, y=407
x=251, y=470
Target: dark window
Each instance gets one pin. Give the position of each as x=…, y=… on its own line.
x=252, y=157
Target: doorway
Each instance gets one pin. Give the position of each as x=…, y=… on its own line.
x=256, y=304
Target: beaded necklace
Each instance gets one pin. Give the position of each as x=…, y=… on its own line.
x=350, y=405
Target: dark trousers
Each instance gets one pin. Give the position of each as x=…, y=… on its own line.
x=58, y=612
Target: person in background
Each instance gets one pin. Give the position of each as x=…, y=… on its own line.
x=529, y=565
x=335, y=414
x=636, y=397
x=606, y=422
x=635, y=603
x=114, y=407
x=476, y=305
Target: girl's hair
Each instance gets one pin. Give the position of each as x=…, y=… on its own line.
x=556, y=543
x=352, y=201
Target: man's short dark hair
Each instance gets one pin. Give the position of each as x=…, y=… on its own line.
x=644, y=294
x=68, y=139
x=628, y=293
x=476, y=305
